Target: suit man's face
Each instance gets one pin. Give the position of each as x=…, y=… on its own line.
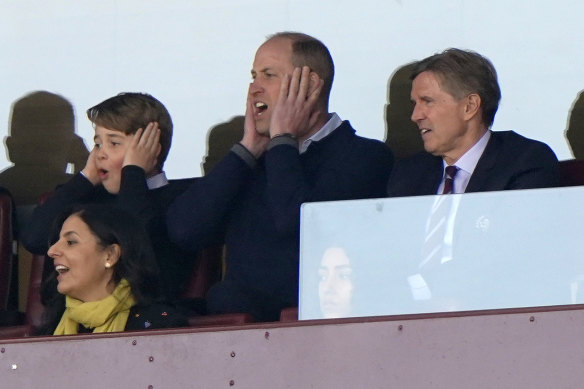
x=440, y=118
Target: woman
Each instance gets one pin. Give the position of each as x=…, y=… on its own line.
x=106, y=271
x=335, y=286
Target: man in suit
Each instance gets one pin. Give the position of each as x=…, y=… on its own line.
x=456, y=95
x=292, y=151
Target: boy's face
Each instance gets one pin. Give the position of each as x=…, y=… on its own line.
x=111, y=146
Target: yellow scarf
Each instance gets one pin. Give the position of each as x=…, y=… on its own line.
x=107, y=315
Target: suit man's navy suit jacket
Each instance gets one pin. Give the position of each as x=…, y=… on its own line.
x=510, y=161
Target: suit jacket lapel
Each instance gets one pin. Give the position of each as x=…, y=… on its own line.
x=435, y=173
x=479, y=181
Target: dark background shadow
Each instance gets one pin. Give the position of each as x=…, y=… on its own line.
x=44, y=150
x=41, y=144
x=401, y=134
x=575, y=132
x=220, y=139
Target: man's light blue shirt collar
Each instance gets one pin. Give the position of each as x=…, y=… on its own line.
x=333, y=123
x=467, y=164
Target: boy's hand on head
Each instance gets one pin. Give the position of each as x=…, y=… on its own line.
x=252, y=140
x=144, y=149
x=295, y=111
x=90, y=170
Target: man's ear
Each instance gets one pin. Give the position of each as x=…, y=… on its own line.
x=473, y=106
x=313, y=82
x=113, y=255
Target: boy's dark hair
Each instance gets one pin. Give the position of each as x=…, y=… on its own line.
x=127, y=112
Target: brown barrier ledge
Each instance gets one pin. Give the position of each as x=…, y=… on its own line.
x=300, y=323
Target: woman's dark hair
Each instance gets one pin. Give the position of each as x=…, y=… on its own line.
x=137, y=262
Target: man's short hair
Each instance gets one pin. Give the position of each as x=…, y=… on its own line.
x=309, y=51
x=127, y=112
x=461, y=72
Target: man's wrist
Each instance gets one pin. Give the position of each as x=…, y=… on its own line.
x=245, y=154
x=283, y=139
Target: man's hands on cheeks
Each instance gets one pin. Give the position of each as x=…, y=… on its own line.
x=144, y=148
x=252, y=140
x=90, y=170
x=295, y=111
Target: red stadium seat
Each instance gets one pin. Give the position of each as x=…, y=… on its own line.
x=6, y=245
x=572, y=172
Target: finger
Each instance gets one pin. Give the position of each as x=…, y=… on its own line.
x=294, y=83
x=137, y=137
x=151, y=135
x=284, y=87
x=249, y=122
x=146, y=133
x=304, y=83
x=315, y=94
x=156, y=139
x=92, y=156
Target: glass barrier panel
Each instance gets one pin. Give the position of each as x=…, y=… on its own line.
x=442, y=253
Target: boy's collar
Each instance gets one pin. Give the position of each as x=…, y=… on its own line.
x=157, y=181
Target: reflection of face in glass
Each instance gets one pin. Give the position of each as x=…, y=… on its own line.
x=335, y=287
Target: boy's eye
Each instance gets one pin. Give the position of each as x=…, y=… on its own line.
x=115, y=143
x=97, y=146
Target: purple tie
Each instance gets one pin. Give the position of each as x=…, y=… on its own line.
x=449, y=179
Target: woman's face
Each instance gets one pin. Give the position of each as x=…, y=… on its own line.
x=82, y=263
x=335, y=288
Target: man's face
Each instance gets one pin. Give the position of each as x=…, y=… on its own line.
x=271, y=63
x=440, y=118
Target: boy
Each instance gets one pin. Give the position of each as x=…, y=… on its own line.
x=133, y=133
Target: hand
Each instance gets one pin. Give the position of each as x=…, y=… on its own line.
x=144, y=148
x=295, y=112
x=90, y=170
x=252, y=140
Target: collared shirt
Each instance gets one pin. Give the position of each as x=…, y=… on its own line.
x=467, y=164
x=333, y=123
x=157, y=181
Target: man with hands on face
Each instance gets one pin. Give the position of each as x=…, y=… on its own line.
x=133, y=133
x=293, y=151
